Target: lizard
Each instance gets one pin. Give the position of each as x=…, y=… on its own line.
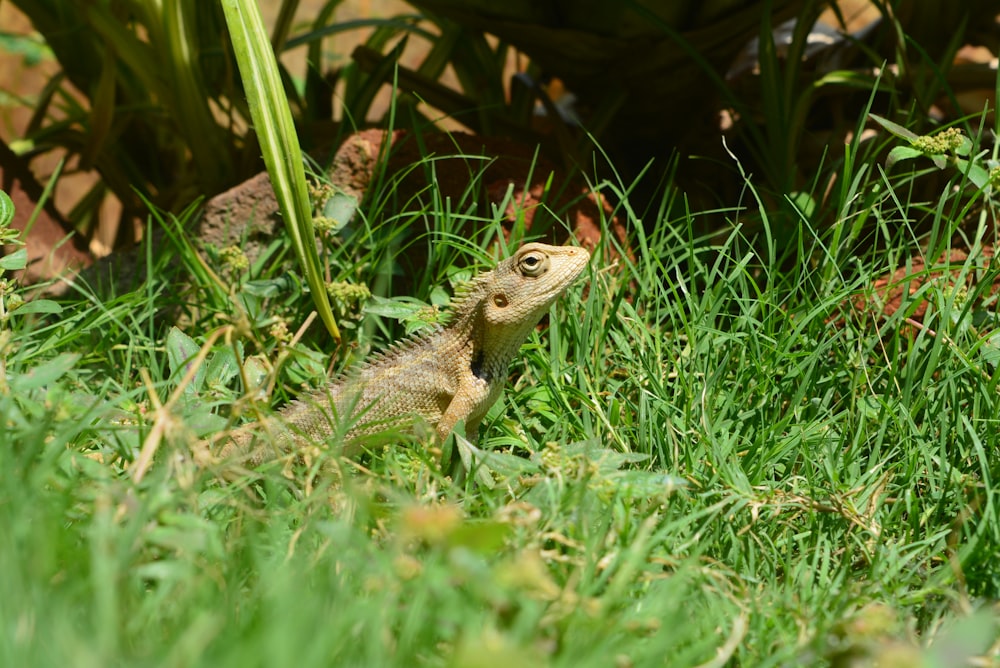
x=450, y=374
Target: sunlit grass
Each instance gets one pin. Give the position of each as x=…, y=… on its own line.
x=705, y=457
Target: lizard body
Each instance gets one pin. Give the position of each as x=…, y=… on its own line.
x=452, y=373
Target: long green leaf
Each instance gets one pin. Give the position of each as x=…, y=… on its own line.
x=6, y=209
x=180, y=55
x=279, y=144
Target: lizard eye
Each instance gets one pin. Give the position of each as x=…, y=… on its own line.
x=534, y=264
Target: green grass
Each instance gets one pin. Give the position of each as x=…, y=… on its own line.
x=699, y=463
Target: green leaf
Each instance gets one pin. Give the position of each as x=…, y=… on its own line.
x=901, y=153
x=439, y=296
x=223, y=366
x=273, y=287
x=894, y=128
x=181, y=350
x=6, y=209
x=340, y=208
x=401, y=308
x=650, y=484
x=472, y=458
x=509, y=465
x=39, y=306
x=979, y=175
x=275, y=129
x=852, y=79
x=256, y=373
x=15, y=261
x=44, y=374
x=990, y=350
x=804, y=202
x=305, y=366
x=965, y=148
x=962, y=640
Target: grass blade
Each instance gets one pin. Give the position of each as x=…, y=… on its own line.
x=279, y=144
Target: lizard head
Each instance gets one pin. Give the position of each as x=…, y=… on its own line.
x=524, y=286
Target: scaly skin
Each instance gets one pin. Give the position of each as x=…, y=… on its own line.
x=451, y=374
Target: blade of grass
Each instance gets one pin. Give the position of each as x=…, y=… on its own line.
x=279, y=144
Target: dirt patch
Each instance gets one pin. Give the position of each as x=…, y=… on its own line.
x=52, y=248
x=906, y=286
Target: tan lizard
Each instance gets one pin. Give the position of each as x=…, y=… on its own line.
x=451, y=374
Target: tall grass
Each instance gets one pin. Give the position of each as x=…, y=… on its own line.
x=708, y=457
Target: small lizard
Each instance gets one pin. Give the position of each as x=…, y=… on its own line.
x=450, y=374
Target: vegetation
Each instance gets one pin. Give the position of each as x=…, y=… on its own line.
x=723, y=450
x=707, y=458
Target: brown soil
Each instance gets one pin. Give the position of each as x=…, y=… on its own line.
x=892, y=292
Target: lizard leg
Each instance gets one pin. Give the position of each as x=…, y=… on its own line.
x=467, y=399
